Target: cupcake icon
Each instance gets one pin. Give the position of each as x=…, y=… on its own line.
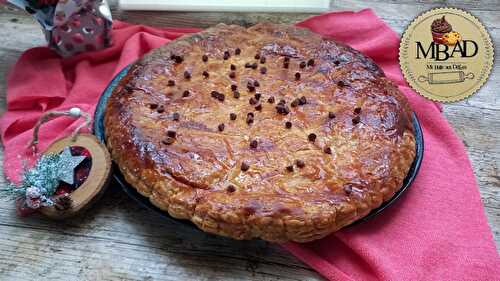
x=439, y=28
x=442, y=32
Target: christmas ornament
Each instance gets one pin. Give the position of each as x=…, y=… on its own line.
x=71, y=26
x=71, y=174
x=40, y=182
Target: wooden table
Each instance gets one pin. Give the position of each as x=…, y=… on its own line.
x=119, y=240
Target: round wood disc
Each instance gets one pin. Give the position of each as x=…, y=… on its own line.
x=97, y=180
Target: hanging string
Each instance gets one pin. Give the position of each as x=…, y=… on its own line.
x=74, y=112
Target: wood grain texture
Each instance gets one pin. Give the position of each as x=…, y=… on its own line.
x=150, y=248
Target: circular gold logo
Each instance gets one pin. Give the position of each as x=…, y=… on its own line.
x=446, y=54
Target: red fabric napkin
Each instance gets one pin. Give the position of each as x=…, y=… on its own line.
x=436, y=231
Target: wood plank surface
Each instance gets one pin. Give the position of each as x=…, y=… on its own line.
x=119, y=240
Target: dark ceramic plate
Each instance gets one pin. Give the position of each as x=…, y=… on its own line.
x=99, y=132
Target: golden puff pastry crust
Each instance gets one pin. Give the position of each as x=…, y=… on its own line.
x=270, y=132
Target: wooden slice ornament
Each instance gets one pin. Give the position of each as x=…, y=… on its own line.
x=97, y=179
x=95, y=182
